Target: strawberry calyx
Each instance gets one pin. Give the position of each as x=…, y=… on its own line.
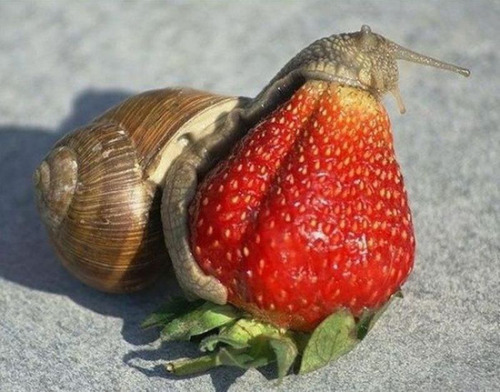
x=231, y=337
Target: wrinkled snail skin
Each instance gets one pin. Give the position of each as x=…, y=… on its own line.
x=361, y=59
x=98, y=191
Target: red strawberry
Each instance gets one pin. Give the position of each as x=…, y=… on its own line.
x=309, y=213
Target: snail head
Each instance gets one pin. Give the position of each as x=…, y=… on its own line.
x=363, y=59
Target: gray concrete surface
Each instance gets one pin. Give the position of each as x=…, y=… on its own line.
x=62, y=63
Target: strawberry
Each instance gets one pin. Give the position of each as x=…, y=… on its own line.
x=305, y=225
x=309, y=213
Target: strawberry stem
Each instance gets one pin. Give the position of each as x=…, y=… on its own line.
x=237, y=340
x=188, y=366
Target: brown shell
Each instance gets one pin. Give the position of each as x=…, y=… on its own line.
x=99, y=190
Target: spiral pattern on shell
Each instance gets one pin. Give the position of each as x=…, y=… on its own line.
x=99, y=190
x=103, y=219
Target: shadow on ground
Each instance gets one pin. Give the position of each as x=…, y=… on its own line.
x=26, y=256
x=150, y=362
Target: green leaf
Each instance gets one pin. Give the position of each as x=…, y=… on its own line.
x=239, y=335
x=210, y=343
x=247, y=329
x=286, y=351
x=257, y=355
x=251, y=344
x=334, y=337
x=260, y=351
x=255, y=344
x=232, y=357
x=203, y=319
x=174, y=308
x=369, y=317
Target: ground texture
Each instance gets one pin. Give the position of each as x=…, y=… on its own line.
x=62, y=63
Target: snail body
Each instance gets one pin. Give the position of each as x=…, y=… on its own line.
x=363, y=60
x=110, y=236
x=99, y=189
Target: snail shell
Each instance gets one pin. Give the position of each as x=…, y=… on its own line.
x=99, y=189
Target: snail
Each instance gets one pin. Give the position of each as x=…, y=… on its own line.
x=114, y=193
